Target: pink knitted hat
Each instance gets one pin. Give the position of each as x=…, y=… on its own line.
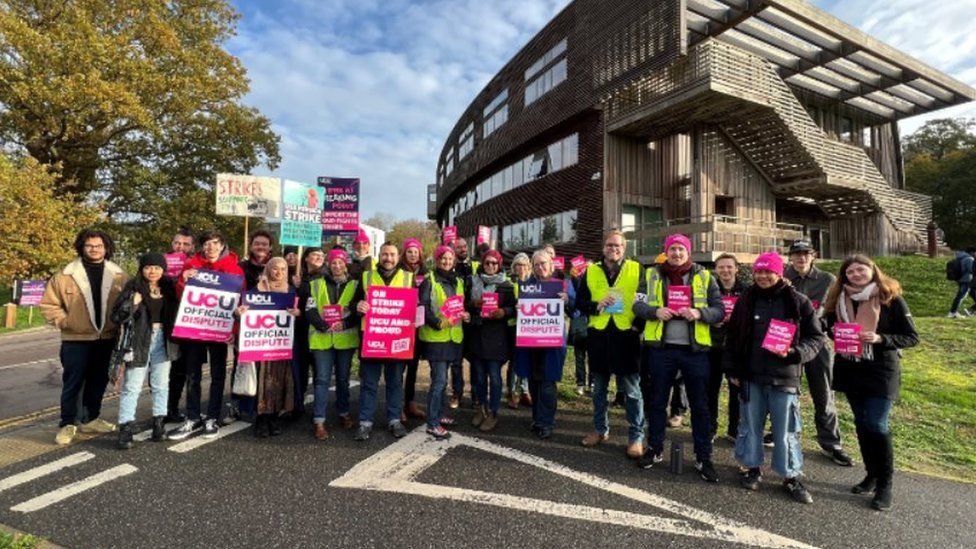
x=769, y=261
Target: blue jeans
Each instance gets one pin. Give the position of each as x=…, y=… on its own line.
x=630, y=386
x=326, y=362
x=457, y=379
x=514, y=381
x=961, y=295
x=85, y=372
x=543, y=403
x=784, y=413
x=871, y=413
x=579, y=353
x=133, y=378
x=435, y=395
x=662, y=365
x=485, y=373
x=369, y=375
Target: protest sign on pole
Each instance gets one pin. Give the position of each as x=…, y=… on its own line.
x=484, y=235
x=340, y=215
x=28, y=293
x=541, y=321
x=449, y=235
x=206, y=310
x=248, y=195
x=267, y=328
x=389, y=324
x=301, y=214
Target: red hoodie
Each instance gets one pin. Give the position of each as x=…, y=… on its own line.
x=226, y=263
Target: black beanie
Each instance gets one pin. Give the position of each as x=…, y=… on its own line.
x=152, y=258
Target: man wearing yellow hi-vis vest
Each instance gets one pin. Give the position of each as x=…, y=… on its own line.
x=678, y=300
x=606, y=295
x=386, y=273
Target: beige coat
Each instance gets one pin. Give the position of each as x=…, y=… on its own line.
x=67, y=302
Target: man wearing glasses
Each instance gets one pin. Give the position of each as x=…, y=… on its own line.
x=77, y=301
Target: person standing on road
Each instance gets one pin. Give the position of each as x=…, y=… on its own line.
x=78, y=301
x=334, y=343
x=606, y=295
x=768, y=376
x=679, y=301
x=865, y=296
x=312, y=264
x=726, y=271
x=442, y=338
x=962, y=266
x=487, y=338
x=214, y=255
x=361, y=262
x=810, y=281
x=149, y=301
x=413, y=262
x=464, y=266
x=276, y=384
x=389, y=274
x=543, y=367
x=521, y=269
x=182, y=244
x=578, y=325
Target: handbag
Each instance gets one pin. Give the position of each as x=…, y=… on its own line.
x=121, y=354
x=245, y=379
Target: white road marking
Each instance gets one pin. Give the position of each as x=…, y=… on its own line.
x=395, y=469
x=199, y=441
x=33, y=363
x=74, y=488
x=46, y=469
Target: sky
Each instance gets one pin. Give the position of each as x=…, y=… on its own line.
x=372, y=88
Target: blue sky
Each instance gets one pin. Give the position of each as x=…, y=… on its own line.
x=371, y=88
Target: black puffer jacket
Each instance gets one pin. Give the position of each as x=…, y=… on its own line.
x=487, y=338
x=141, y=323
x=744, y=356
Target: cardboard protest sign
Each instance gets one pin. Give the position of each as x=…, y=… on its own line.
x=248, y=195
x=340, y=215
x=207, y=307
x=489, y=303
x=729, y=301
x=449, y=235
x=267, y=329
x=541, y=315
x=29, y=292
x=679, y=297
x=559, y=263
x=389, y=324
x=579, y=263
x=452, y=308
x=847, y=340
x=301, y=215
x=617, y=306
x=779, y=336
x=331, y=314
x=484, y=235
x=174, y=264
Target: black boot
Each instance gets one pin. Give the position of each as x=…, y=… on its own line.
x=159, y=428
x=274, y=427
x=868, y=453
x=261, y=426
x=886, y=470
x=125, y=436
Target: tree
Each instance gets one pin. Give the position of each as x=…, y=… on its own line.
x=383, y=221
x=131, y=102
x=37, y=228
x=426, y=231
x=938, y=138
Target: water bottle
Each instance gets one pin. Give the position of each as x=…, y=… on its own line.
x=677, y=461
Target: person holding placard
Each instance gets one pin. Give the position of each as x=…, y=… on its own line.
x=214, y=255
x=867, y=305
x=413, y=262
x=333, y=338
x=679, y=301
x=521, y=269
x=543, y=366
x=726, y=271
x=606, y=296
x=182, y=249
x=387, y=273
x=276, y=382
x=149, y=301
x=77, y=301
x=361, y=262
x=312, y=266
x=810, y=281
x=443, y=337
x=773, y=330
x=490, y=302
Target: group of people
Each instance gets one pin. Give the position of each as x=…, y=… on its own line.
x=643, y=326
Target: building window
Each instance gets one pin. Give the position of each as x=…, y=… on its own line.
x=449, y=162
x=545, y=82
x=546, y=58
x=725, y=205
x=845, y=129
x=495, y=114
x=633, y=220
x=555, y=228
x=467, y=141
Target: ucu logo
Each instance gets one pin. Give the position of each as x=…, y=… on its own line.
x=266, y=321
x=210, y=301
x=540, y=309
x=258, y=299
x=532, y=288
x=376, y=345
x=207, y=278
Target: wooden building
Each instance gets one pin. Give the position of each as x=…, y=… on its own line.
x=745, y=124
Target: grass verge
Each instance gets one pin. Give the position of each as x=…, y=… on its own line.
x=9, y=540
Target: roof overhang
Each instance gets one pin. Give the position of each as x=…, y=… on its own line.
x=819, y=53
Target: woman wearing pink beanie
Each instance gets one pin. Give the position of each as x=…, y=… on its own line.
x=413, y=262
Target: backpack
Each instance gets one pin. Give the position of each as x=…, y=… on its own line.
x=954, y=269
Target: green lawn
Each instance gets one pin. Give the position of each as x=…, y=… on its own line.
x=18, y=541
x=23, y=314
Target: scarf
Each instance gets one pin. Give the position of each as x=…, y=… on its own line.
x=481, y=283
x=868, y=311
x=448, y=277
x=676, y=274
x=265, y=284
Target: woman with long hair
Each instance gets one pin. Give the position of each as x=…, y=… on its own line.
x=412, y=262
x=867, y=305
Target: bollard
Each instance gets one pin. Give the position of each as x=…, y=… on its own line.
x=677, y=461
x=11, y=316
